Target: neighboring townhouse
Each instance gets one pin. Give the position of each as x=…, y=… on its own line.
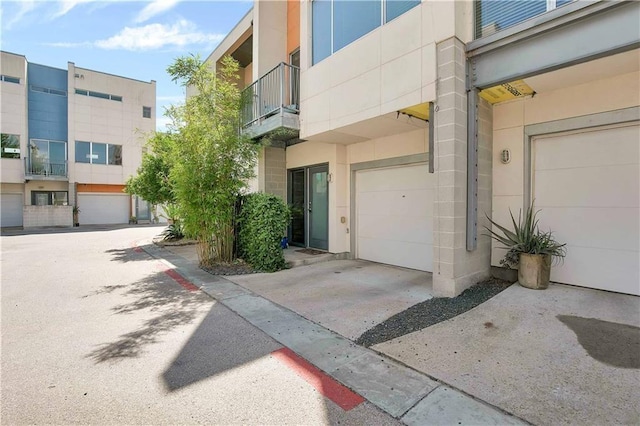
x=70, y=137
x=398, y=126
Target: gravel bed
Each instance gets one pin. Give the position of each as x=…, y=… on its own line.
x=431, y=312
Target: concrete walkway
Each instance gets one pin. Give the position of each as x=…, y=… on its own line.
x=565, y=355
x=403, y=392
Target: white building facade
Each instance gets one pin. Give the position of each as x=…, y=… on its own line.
x=70, y=138
x=397, y=127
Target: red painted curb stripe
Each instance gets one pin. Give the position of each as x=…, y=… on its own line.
x=344, y=397
x=181, y=280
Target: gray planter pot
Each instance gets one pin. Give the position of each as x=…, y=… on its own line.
x=534, y=270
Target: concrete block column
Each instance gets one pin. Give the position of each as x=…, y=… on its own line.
x=455, y=268
x=275, y=172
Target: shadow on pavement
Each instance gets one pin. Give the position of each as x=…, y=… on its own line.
x=171, y=304
x=222, y=341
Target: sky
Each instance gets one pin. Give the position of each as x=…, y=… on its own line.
x=133, y=39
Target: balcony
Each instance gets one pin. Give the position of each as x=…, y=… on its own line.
x=272, y=104
x=40, y=169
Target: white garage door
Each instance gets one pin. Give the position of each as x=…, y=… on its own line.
x=103, y=208
x=394, y=216
x=588, y=187
x=11, y=210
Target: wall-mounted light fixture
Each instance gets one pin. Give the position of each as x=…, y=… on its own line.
x=505, y=156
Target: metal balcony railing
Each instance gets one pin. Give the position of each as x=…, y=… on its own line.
x=43, y=168
x=276, y=92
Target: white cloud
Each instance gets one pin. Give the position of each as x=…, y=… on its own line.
x=66, y=6
x=154, y=8
x=26, y=6
x=156, y=36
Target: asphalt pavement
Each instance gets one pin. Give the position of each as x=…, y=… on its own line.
x=96, y=331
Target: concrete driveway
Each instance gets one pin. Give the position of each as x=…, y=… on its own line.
x=565, y=355
x=345, y=296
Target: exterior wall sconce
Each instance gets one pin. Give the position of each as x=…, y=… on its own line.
x=505, y=156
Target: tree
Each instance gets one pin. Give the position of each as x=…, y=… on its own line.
x=152, y=182
x=211, y=160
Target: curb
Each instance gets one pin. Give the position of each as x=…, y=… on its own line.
x=402, y=392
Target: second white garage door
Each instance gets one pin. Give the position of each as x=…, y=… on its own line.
x=394, y=216
x=11, y=210
x=587, y=185
x=99, y=209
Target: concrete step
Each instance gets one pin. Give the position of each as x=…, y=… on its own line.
x=295, y=258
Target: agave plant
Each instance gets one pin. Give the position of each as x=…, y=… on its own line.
x=526, y=238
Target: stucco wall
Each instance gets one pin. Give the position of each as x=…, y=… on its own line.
x=108, y=121
x=361, y=80
x=509, y=119
x=13, y=104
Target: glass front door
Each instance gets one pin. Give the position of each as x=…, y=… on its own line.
x=297, y=204
x=309, y=202
x=318, y=207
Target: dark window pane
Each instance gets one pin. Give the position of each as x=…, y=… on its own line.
x=83, y=152
x=352, y=19
x=99, y=95
x=60, y=198
x=81, y=92
x=496, y=15
x=146, y=112
x=98, y=153
x=395, y=8
x=115, y=155
x=39, y=89
x=116, y=98
x=10, y=79
x=10, y=146
x=321, y=29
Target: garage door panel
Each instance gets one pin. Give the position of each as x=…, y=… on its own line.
x=101, y=209
x=613, y=270
x=608, y=186
x=400, y=253
x=394, y=216
x=11, y=210
x=589, y=149
x=412, y=203
x=587, y=185
x=582, y=226
x=394, y=178
x=415, y=231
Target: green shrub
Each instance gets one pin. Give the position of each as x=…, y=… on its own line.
x=263, y=222
x=173, y=232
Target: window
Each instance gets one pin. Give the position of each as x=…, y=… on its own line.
x=49, y=198
x=48, y=90
x=9, y=79
x=395, y=8
x=146, y=112
x=48, y=157
x=337, y=23
x=353, y=19
x=115, y=155
x=98, y=95
x=492, y=16
x=83, y=152
x=10, y=146
x=98, y=153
